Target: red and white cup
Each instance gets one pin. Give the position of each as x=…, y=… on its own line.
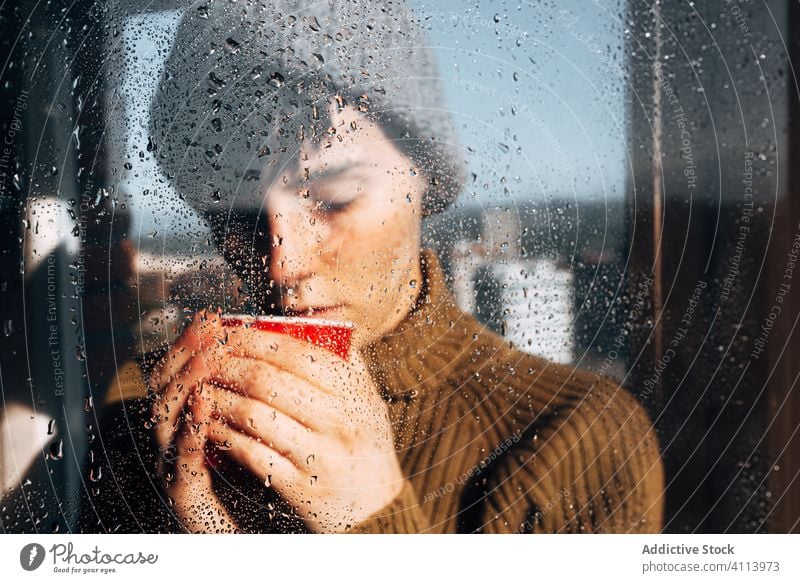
x=332, y=335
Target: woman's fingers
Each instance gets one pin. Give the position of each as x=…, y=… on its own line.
x=264, y=423
x=313, y=364
x=266, y=463
x=197, y=505
x=284, y=391
x=170, y=403
x=204, y=331
x=190, y=444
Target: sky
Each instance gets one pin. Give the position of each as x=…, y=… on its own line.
x=558, y=65
x=537, y=92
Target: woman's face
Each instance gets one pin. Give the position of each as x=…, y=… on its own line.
x=345, y=227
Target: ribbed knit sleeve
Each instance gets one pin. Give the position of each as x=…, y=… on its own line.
x=593, y=468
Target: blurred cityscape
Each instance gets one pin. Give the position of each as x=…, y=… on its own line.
x=546, y=276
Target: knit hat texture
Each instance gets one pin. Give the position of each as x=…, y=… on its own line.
x=245, y=83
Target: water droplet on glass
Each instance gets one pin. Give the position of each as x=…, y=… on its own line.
x=231, y=45
x=95, y=474
x=276, y=79
x=313, y=24
x=56, y=451
x=51, y=427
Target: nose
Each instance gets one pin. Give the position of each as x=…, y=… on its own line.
x=297, y=242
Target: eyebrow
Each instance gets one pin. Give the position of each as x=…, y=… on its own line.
x=328, y=172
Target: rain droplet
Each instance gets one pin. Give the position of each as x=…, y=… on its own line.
x=231, y=45
x=56, y=451
x=95, y=475
x=313, y=24
x=276, y=79
x=51, y=427
x=216, y=80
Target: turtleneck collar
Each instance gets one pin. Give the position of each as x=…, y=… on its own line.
x=426, y=342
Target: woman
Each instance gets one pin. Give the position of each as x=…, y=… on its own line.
x=314, y=140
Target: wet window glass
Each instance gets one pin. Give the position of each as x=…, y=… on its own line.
x=397, y=267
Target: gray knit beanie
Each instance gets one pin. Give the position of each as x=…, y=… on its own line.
x=246, y=82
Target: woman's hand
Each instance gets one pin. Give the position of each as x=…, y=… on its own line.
x=306, y=423
x=182, y=425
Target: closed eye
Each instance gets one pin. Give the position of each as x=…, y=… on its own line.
x=332, y=208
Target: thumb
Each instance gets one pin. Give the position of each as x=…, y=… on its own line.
x=191, y=443
x=192, y=490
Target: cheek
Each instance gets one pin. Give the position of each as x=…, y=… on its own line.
x=374, y=239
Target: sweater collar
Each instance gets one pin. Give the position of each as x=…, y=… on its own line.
x=413, y=357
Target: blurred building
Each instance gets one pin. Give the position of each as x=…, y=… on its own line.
x=530, y=301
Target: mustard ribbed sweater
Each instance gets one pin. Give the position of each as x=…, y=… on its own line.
x=491, y=439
